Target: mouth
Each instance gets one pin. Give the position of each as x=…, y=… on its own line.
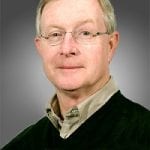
x=70, y=67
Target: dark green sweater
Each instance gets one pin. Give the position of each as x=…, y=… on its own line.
x=119, y=125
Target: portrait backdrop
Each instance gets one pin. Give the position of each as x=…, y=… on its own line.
x=25, y=91
x=0, y=73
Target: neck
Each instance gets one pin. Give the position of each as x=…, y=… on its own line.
x=69, y=99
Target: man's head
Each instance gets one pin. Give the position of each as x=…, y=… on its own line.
x=76, y=40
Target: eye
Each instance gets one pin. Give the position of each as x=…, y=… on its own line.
x=85, y=34
x=55, y=34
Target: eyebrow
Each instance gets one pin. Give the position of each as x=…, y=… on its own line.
x=84, y=22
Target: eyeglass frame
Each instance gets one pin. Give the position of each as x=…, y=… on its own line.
x=73, y=35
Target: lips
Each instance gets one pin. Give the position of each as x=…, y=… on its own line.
x=70, y=67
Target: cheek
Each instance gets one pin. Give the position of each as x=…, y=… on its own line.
x=97, y=61
x=48, y=60
x=97, y=55
x=102, y=54
x=48, y=56
x=48, y=65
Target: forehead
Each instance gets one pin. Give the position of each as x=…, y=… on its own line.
x=69, y=12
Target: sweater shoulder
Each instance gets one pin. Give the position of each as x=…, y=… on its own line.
x=133, y=112
x=134, y=120
x=27, y=135
x=129, y=106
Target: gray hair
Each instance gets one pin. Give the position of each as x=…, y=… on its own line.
x=107, y=8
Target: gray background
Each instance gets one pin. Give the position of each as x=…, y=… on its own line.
x=24, y=88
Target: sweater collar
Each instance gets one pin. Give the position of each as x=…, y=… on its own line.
x=80, y=113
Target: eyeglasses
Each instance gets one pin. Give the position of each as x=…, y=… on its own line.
x=81, y=37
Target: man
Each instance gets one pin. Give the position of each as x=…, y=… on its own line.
x=76, y=40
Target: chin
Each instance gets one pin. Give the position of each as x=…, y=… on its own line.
x=68, y=87
x=67, y=83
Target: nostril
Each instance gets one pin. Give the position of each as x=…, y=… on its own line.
x=73, y=53
x=69, y=52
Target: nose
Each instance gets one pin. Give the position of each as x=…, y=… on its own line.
x=68, y=46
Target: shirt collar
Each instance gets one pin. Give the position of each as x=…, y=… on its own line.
x=80, y=113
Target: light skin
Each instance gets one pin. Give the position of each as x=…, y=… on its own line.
x=76, y=70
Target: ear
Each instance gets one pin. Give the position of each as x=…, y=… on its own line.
x=113, y=43
x=38, y=44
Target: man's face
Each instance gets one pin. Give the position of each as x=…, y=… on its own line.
x=71, y=65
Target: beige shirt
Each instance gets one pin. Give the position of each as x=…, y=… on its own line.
x=76, y=116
